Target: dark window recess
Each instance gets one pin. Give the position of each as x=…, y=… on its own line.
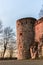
x=18, y=24
x=22, y=23
x=20, y=46
x=20, y=33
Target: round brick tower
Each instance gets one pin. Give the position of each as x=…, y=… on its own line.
x=25, y=36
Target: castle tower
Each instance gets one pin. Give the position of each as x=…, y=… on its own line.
x=25, y=36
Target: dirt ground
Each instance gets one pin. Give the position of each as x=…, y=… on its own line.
x=21, y=62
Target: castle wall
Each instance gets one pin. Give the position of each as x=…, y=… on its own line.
x=39, y=29
x=39, y=36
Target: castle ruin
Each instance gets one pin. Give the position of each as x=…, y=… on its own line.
x=29, y=31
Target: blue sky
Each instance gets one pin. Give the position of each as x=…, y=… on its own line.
x=11, y=10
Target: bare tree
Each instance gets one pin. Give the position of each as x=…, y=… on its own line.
x=1, y=27
x=41, y=12
x=8, y=34
x=1, y=32
x=11, y=51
